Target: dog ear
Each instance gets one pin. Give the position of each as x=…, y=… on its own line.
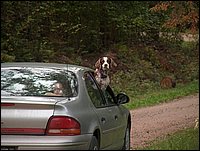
x=113, y=64
x=98, y=64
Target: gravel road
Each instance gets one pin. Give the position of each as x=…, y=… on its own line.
x=150, y=123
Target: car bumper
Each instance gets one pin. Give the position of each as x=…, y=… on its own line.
x=23, y=142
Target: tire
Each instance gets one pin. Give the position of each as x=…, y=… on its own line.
x=94, y=144
x=127, y=139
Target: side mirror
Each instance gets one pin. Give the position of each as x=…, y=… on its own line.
x=122, y=98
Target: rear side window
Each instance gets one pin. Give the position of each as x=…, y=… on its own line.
x=94, y=91
x=27, y=81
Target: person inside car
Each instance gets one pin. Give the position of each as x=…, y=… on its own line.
x=57, y=90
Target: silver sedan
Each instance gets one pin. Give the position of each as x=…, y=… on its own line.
x=49, y=106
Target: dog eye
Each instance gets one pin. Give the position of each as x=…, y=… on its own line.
x=109, y=60
x=102, y=61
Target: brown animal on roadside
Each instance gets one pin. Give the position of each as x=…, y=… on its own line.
x=167, y=82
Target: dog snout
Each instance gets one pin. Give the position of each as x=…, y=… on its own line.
x=106, y=66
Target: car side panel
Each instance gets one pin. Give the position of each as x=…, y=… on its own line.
x=121, y=122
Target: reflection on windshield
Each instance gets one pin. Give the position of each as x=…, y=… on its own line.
x=36, y=81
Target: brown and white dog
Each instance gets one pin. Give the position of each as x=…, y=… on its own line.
x=103, y=66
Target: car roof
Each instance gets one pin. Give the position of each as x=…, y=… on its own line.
x=70, y=67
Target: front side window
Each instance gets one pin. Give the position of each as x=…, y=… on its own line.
x=27, y=81
x=109, y=96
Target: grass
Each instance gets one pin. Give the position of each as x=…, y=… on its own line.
x=162, y=95
x=187, y=139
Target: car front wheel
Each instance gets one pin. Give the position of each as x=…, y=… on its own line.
x=94, y=145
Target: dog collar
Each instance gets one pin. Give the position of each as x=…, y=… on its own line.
x=103, y=76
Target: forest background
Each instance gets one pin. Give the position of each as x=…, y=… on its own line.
x=148, y=40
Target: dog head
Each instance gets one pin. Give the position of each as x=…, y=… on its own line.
x=105, y=63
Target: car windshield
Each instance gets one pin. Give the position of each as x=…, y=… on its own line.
x=27, y=81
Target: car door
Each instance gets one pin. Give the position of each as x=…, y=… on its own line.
x=102, y=111
x=118, y=115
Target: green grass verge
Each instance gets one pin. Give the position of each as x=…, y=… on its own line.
x=162, y=95
x=187, y=139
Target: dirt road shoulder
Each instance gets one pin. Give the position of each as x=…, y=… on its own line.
x=153, y=122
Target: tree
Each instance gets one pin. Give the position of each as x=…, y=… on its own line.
x=44, y=30
x=183, y=15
